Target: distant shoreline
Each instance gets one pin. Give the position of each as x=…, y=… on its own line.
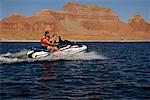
x=78, y=41
x=19, y=41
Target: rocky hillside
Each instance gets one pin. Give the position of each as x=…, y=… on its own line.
x=76, y=22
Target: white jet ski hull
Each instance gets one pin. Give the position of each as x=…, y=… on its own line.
x=68, y=50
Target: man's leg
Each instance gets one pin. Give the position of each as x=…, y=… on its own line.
x=49, y=48
x=55, y=48
x=52, y=49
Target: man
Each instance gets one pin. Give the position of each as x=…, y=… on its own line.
x=47, y=42
x=52, y=40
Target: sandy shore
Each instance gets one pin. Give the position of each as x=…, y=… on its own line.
x=19, y=41
x=78, y=41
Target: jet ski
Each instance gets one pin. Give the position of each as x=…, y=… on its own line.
x=65, y=48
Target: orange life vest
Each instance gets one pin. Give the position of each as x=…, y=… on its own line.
x=44, y=43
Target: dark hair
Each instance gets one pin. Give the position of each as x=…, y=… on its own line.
x=46, y=32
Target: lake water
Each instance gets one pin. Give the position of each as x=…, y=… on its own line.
x=107, y=71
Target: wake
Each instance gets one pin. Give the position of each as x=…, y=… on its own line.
x=21, y=56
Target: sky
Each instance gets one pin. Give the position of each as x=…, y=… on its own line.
x=125, y=9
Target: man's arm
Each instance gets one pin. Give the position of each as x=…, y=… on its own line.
x=52, y=44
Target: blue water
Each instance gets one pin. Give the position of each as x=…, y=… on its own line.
x=124, y=73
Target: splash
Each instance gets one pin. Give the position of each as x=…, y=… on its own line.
x=21, y=56
x=13, y=57
x=86, y=56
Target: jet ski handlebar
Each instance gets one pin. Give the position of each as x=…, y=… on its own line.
x=66, y=42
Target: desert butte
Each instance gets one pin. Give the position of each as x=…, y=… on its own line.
x=75, y=22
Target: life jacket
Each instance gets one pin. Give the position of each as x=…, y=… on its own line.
x=44, y=43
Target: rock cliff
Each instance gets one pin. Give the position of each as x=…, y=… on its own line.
x=138, y=24
x=76, y=22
